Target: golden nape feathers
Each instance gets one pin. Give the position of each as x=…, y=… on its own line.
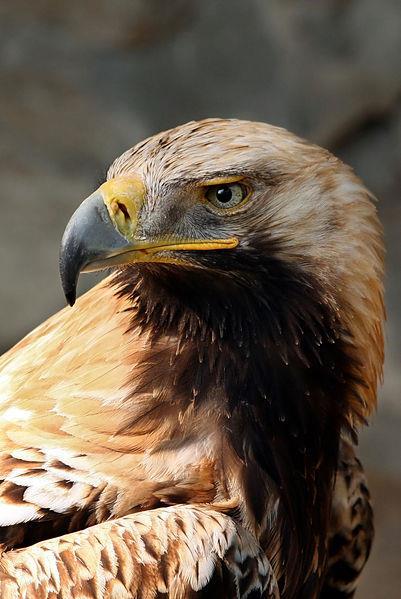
x=182, y=430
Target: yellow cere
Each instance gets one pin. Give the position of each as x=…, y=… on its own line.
x=124, y=198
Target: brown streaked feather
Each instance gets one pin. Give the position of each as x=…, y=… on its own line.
x=351, y=532
x=181, y=552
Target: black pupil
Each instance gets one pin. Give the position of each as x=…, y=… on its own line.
x=224, y=194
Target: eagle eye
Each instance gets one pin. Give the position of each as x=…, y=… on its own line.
x=226, y=195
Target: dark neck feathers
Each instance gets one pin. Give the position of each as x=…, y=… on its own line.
x=273, y=347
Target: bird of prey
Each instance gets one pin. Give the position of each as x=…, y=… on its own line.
x=187, y=428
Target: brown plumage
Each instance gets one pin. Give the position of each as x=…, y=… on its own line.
x=351, y=527
x=146, y=554
x=216, y=372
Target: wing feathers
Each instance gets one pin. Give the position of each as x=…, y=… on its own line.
x=179, y=550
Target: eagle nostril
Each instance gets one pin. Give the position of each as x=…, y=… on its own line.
x=124, y=210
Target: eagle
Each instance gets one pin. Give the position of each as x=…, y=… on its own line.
x=188, y=428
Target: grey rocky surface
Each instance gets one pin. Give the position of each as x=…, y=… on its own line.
x=81, y=82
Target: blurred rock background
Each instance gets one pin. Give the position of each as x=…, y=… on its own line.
x=82, y=81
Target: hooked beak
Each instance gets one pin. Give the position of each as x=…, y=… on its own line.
x=101, y=234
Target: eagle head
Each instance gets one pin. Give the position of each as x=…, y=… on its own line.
x=246, y=227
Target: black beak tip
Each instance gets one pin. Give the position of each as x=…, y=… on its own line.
x=69, y=266
x=69, y=288
x=70, y=296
